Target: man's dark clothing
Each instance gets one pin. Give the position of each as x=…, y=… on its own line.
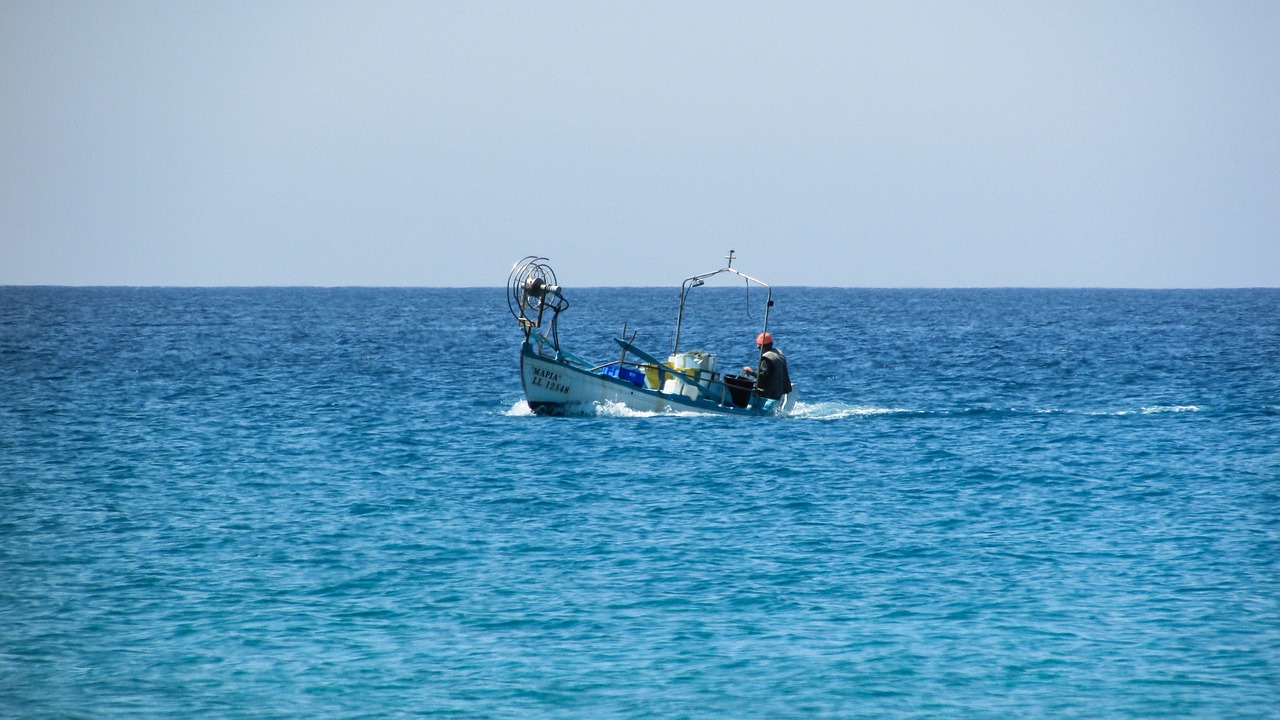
x=773, y=381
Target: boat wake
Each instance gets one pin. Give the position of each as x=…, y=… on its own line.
x=1169, y=409
x=598, y=409
x=617, y=409
x=841, y=411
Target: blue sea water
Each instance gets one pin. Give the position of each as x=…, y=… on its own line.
x=281, y=503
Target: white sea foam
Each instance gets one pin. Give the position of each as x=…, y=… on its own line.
x=1152, y=410
x=1169, y=408
x=605, y=409
x=617, y=409
x=838, y=410
x=520, y=409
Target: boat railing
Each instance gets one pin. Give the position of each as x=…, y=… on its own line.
x=721, y=389
x=701, y=279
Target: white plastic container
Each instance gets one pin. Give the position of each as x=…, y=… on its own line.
x=699, y=367
x=695, y=360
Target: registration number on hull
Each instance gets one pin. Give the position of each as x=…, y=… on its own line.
x=548, y=380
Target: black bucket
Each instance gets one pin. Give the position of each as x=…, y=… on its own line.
x=739, y=389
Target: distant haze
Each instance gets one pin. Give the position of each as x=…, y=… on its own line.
x=935, y=144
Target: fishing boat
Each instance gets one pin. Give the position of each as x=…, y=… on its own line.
x=556, y=381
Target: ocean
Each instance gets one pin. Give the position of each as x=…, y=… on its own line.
x=303, y=502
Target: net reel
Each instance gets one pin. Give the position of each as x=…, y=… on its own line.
x=531, y=291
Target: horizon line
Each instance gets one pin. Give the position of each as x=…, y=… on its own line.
x=623, y=287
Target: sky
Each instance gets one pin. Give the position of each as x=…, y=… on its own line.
x=864, y=144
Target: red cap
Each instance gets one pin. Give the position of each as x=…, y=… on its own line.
x=764, y=338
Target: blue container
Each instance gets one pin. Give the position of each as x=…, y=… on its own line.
x=635, y=377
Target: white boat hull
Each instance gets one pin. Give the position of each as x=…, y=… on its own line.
x=557, y=386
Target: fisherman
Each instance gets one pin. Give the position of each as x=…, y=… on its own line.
x=772, y=380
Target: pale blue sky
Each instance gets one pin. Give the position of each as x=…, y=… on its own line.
x=939, y=144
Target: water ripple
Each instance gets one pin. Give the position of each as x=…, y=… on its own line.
x=281, y=503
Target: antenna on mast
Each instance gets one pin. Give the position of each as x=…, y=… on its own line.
x=729, y=257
